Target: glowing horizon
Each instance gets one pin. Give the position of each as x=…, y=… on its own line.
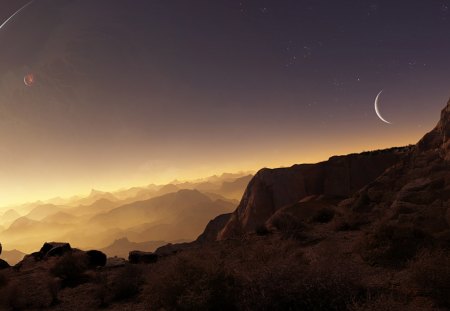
x=127, y=95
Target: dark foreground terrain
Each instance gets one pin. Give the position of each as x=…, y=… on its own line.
x=360, y=232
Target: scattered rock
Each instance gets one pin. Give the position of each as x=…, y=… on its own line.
x=96, y=258
x=172, y=249
x=115, y=262
x=137, y=257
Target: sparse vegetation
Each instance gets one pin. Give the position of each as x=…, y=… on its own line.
x=347, y=223
x=70, y=269
x=393, y=245
x=290, y=226
x=3, y=279
x=127, y=283
x=381, y=302
x=190, y=283
x=323, y=215
x=54, y=286
x=430, y=272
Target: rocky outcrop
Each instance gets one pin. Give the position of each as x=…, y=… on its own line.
x=415, y=191
x=213, y=228
x=272, y=189
x=55, y=249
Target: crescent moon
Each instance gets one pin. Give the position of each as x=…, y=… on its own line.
x=378, y=110
x=17, y=12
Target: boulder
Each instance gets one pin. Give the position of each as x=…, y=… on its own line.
x=172, y=249
x=3, y=264
x=55, y=249
x=137, y=257
x=96, y=258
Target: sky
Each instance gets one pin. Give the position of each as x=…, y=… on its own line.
x=133, y=92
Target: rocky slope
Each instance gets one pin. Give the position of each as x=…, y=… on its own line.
x=415, y=191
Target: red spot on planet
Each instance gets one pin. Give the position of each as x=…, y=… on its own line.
x=29, y=79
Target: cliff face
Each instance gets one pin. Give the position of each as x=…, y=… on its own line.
x=439, y=137
x=272, y=189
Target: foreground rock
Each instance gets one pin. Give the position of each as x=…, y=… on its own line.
x=96, y=258
x=54, y=249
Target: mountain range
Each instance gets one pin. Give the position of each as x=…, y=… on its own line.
x=144, y=215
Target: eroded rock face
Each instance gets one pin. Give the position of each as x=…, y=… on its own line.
x=213, y=228
x=272, y=189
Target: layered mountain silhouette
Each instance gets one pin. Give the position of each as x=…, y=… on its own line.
x=174, y=212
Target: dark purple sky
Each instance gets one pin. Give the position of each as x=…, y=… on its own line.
x=130, y=92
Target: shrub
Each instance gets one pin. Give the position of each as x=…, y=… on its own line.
x=189, y=283
x=289, y=226
x=3, y=280
x=101, y=288
x=127, y=283
x=29, y=294
x=430, y=272
x=262, y=230
x=393, y=245
x=350, y=222
x=378, y=303
x=295, y=287
x=323, y=215
x=53, y=286
x=70, y=269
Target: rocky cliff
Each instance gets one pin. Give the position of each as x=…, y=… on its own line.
x=339, y=177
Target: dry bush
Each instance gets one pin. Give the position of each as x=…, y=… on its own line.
x=323, y=215
x=292, y=286
x=262, y=230
x=379, y=303
x=188, y=282
x=54, y=286
x=393, y=245
x=29, y=294
x=127, y=283
x=350, y=222
x=3, y=279
x=265, y=275
x=290, y=226
x=71, y=269
x=430, y=272
x=101, y=290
